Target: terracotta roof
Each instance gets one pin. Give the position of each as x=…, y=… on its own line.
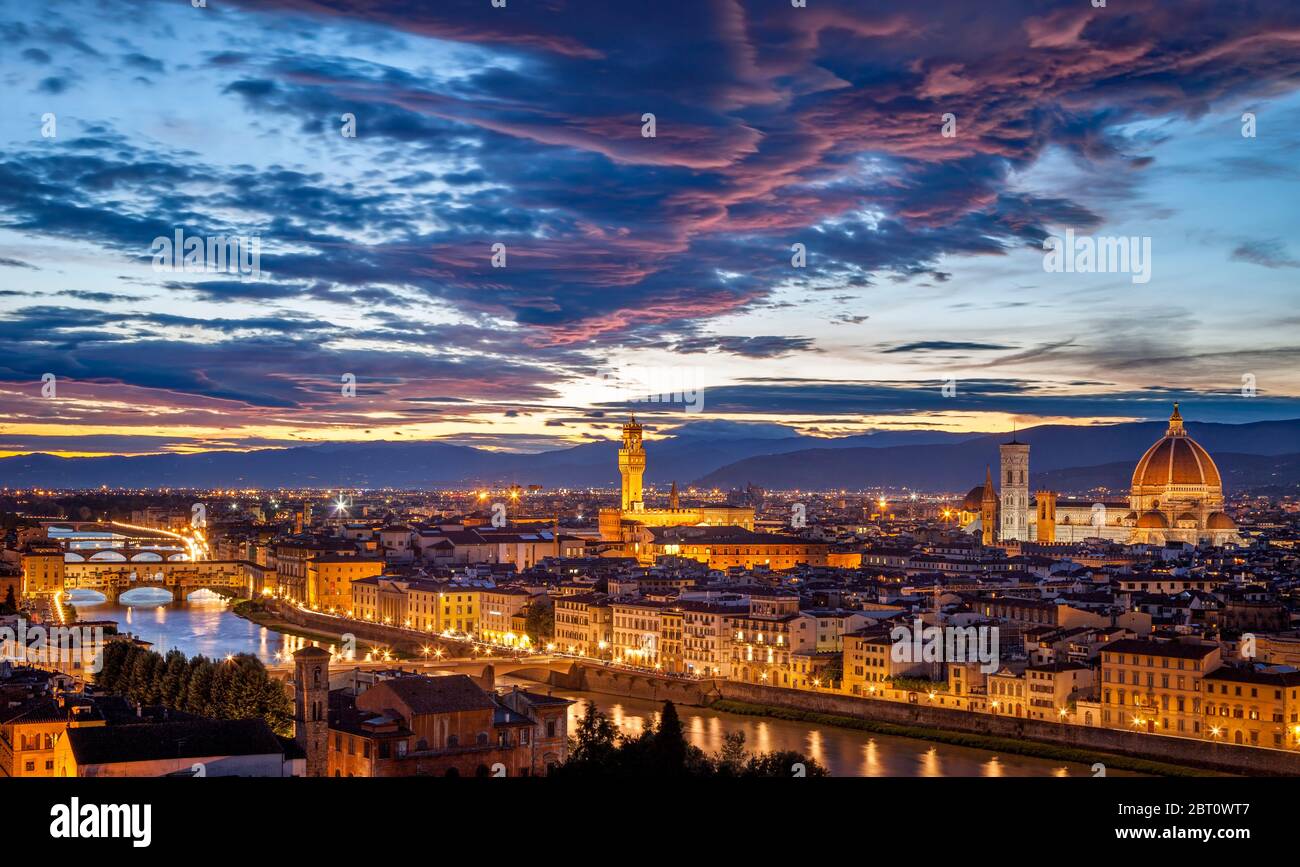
x=427, y=695
x=172, y=740
x=1159, y=648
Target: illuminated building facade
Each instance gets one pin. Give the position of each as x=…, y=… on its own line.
x=1177, y=493
x=621, y=524
x=330, y=577
x=1155, y=686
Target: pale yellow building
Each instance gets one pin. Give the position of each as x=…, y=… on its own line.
x=584, y=625
x=497, y=609
x=762, y=647
x=638, y=632
x=428, y=606
x=1007, y=693
x=869, y=664
x=706, y=637
x=1052, y=689
x=43, y=569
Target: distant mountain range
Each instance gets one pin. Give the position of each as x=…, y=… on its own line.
x=1062, y=457
x=712, y=454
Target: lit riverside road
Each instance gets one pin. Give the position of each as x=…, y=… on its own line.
x=205, y=625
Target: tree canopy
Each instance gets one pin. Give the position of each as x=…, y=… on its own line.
x=235, y=688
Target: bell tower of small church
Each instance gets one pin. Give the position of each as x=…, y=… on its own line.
x=989, y=509
x=311, y=694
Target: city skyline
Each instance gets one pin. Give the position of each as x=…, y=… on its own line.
x=634, y=259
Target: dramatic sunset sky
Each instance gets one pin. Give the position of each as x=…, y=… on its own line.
x=667, y=255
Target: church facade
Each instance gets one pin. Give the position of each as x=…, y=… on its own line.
x=1176, y=495
x=1177, y=492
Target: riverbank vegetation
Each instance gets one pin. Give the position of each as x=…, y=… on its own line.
x=235, y=688
x=598, y=749
x=962, y=739
x=263, y=615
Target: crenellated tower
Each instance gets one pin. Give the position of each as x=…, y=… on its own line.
x=631, y=466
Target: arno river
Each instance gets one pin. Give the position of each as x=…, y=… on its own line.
x=205, y=625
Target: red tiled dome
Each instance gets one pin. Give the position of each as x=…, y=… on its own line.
x=1176, y=459
x=974, y=500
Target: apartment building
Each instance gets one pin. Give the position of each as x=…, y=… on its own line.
x=1155, y=686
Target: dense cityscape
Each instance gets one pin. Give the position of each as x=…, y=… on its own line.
x=442, y=633
x=510, y=421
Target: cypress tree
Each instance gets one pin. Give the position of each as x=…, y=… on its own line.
x=669, y=747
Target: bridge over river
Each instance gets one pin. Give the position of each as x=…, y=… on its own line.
x=113, y=576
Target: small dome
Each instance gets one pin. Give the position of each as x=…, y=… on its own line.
x=1131, y=516
x=1220, y=521
x=1187, y=516
x=1153, y=521
x=974, y=500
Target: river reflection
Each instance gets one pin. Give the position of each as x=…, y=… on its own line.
x=843, y=751
x=203, y=624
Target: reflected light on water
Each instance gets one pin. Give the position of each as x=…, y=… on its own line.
x=816, y=749
x=843, y=751
x=203, y=624
x=871, y=759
